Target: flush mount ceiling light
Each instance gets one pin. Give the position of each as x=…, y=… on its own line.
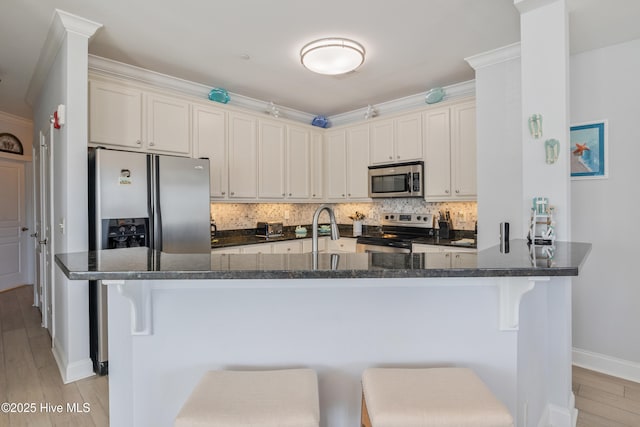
x=332, y=56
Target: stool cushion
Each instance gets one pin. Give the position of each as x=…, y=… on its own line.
x=282, y=398
x=442, y=397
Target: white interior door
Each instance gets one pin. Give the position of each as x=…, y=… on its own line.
x=37, y=288
x=43, y=220
x=12, y=266
x=46, y=241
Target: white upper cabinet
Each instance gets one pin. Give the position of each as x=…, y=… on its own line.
x=438, y=154
x=463, y=150
x=347, y=171
x=167, y=124
x=243, y=156
x=396, y=140
x=317, y=165
x=450, y=157
x=210, y=141
x=336, y=164
x=298, y=163
x=271, y=160
x=115, y=115
x=127, y=117
x=358, y=162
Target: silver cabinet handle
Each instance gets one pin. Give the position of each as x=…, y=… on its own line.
x=232, y=193
x=390, y=157
x=138, y=142
x=34, y=235
x=223, y=193
x=152, y=143
x=457, y=191
x=289, y=194
x=42, y=242
x=446, y=191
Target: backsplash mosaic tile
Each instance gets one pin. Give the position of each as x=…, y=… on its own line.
x=232, y=216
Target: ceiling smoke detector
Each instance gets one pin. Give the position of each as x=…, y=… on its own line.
x=332, y=56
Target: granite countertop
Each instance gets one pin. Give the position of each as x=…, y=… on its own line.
x=225, y=239
x=146, y=264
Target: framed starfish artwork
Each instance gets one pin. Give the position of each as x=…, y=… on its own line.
x=588, y=150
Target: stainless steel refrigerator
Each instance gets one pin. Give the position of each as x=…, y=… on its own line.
x=138, y=199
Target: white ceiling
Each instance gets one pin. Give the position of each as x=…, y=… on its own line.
x=412, y=45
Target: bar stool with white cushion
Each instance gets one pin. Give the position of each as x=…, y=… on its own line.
x=280, y=398
x=433, y=397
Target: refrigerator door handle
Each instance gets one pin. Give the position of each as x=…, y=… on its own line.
x=154, y=200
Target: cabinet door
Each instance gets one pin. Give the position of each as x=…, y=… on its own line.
x=115, y=115
x=298, y=163
x=317, y=165
x=408, y=138
x=261, y=248
x=463, y=150
x=271, y=149
x=358, y=162
x=168, y=125
x=437, y=260
x=243, y=156
x=293, y=247
x=336, y=167
x=437, y=154
x=382, y=142
x=209, y=140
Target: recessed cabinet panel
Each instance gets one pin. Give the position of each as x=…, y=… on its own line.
x=336, y=165
x=115, y=115
x=438, y=154
x=168, y=125
x=243, y=156
x=409, y=138
x=298, y=163
x=463, y=151
x=382, y=142
x=271, y=182
x=358, y=162
x=317, y=165
x=209, y=140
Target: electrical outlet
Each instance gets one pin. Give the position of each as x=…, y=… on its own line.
x=286, y=214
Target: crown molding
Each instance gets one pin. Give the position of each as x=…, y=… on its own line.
x=15, y=119
x=495, y=56
x=454, y=91
x=61, y=24
x=111, y=68
x=525, y=6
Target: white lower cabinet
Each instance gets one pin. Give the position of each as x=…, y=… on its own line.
x=444, y=256
x=261, y=248
x=343, y=244
x=289, y=247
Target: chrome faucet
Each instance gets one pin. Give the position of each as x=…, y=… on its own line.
x=335, y=235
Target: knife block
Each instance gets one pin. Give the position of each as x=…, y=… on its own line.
x=444, y=229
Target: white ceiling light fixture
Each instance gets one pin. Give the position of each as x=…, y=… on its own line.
x=332, y=56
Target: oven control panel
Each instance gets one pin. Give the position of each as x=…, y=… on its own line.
x=422, y=220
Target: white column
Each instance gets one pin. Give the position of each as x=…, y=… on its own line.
x=545, y=89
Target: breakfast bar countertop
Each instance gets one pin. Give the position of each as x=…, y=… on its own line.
x=145, y=264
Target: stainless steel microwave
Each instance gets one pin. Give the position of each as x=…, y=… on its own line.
x=397, y=180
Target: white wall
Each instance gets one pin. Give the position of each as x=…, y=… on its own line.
x=65, y=81
x=498, y=99
x=606, y=299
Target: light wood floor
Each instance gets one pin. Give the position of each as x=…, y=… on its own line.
x=29, y=374
x=605, y=401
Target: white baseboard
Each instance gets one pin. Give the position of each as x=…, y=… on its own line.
x=607, y=364
x=557, y=416
x=74, y=371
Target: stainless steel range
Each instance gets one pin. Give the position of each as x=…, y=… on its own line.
x=399, y=230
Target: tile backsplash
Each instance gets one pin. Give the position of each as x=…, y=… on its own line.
x=231, y=216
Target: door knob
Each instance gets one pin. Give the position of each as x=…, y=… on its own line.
x=34, y=234
x=43, y=242
x=24, y=228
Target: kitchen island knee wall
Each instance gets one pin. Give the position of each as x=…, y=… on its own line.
x=339, y=328
x=230, y=216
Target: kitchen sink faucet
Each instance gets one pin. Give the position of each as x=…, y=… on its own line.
x=335, y=235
